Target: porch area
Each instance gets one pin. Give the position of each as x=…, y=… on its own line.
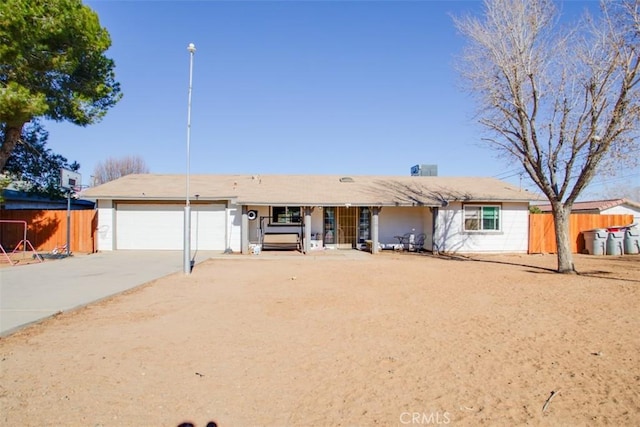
x=320, y=228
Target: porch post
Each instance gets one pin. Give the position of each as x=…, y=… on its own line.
x=374, y=230
x=435, y=246
x=244, y=232
x=307, y=230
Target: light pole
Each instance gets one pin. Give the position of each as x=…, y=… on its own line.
x=187, y=209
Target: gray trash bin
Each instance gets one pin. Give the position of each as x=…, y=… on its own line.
x=632, y=240
x=615, y=241
x=595, y=241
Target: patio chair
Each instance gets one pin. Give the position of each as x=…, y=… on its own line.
x=418, y=244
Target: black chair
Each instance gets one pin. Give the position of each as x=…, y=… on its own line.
x=418, y=243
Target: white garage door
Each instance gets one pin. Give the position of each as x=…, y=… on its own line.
x=160, y=226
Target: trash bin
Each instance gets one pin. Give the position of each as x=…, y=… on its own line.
x=615, y=241
x=632, y=240
x=595, y=241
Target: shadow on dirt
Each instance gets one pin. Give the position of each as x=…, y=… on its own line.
x=618, y=265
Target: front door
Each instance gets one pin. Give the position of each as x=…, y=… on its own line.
x=341, y=226
x=347, y=230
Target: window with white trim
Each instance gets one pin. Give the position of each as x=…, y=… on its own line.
x=481, y=218
x=286, y=214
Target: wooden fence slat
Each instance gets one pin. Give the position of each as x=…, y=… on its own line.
x=542, y=235
x=47, y=229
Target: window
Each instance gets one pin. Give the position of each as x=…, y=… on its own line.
x=364, y=226
x=329, y=225
x=481, y=218
x=286, y=215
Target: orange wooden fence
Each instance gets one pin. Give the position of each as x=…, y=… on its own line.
x=47, y=229
x=542, y=235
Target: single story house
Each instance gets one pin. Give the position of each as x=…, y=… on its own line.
x=236, y=212
x=604, y=207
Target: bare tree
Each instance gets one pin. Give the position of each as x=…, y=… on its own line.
x=631, y=194
x=618, y=190
x=112, y=168
x=562, y=101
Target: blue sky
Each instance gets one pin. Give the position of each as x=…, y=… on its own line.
x=287, y=87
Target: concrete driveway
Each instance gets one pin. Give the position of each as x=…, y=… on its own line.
x=30, y=293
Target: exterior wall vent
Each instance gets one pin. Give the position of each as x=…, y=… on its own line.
x=346, y=179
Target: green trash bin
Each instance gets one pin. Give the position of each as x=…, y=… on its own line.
x=595, y=241
x=632, y=240
x=615, y=241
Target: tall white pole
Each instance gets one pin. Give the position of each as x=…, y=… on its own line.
x=187, y=209
x=68, y=252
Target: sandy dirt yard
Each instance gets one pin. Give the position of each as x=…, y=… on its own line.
x=324, y=340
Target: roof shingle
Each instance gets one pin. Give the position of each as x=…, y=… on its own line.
x=312, y=190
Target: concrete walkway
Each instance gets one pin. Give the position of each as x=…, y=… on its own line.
x=33, y=292
x=30, y=293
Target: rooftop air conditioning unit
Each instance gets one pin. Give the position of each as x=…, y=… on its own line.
x=424, y=170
